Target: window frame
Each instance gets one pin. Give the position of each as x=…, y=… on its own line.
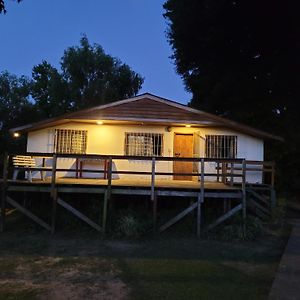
x=223, y=146
x=139, y=148
x=70, y=140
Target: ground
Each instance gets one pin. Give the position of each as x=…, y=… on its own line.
x=36, y=265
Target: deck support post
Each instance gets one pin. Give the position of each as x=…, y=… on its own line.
x=27, y=213
x=78, y=214
x=273, y=175
x=273, y=199
x=3, y=192
x=153, y=194
x=244, y=204
x=155, y=213
x=224, y=217
x=53, y=193
x=107, y=195
x=178, y=217
x=104, y=216
x=200, y=199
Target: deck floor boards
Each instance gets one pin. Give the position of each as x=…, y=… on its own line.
x=136, y=183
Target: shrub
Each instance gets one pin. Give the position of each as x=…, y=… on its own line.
x=235, y=231
x=131, y=224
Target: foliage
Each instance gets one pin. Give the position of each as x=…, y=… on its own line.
x=2, y=6
x=15, y=107
x=279, y=212
x=240, y=59
x=131, y=224
x=235, y=231
x=87, y=77
x=49, y=90
x=95, y=78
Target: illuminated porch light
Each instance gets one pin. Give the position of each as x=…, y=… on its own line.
x=16, y=134
x=99, y=122
x=188, y=125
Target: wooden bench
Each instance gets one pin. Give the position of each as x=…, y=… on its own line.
x=24, y=162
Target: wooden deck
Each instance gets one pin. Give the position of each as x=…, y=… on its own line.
x=133, y=183
x=230, y=185
x=170, y=188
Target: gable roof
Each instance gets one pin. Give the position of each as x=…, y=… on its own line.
x=147, y=109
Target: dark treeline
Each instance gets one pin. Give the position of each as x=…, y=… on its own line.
x=2, y=6
x=240, y=59
x=87, y=77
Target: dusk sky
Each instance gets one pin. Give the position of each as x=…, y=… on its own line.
x=132, y=30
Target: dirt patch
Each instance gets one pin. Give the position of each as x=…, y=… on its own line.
x=68, y=277
x=122, y=246
x=109, y=290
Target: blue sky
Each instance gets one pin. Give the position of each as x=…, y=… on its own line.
x=132, y=30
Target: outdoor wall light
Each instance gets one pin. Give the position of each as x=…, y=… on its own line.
x=16, y=134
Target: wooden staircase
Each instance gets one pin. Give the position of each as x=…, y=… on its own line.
x=261, y=200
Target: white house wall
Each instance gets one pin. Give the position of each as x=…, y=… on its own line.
x=109, y=140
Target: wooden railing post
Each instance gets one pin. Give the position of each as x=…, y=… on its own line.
x=3, y=192
x=244, y=204
x=231, y=173
x=273, y=175
x=153, y=196
x=107, y=194
x=53, y=193
x=200, y=198
x=224, y=171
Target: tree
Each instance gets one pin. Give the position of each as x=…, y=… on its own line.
x=96, y=78
x=15, y=106
x=88, y=77
x=240, y=59
x=50, y=91
x=2, y=6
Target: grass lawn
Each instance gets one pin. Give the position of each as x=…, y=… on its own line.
x=35, y=265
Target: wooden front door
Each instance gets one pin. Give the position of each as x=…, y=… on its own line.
x=183, y=147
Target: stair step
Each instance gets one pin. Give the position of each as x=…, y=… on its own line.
x=259, y=206
x=258, y=212
x=263, y=198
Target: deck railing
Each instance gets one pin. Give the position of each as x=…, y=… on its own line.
x=228, y=171
x=224, y=168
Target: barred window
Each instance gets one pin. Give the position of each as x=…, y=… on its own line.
x=220, y=146
x=143, y=144
x=70, y=141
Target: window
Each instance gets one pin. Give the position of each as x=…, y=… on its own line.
x=143, y=144
x=70, y=141
x=221, y=146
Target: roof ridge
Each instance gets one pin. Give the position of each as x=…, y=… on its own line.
x=221, y=121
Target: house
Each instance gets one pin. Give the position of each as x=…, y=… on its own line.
x=145, y=125
x=146, y=146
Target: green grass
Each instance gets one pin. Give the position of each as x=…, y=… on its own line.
x=190, y=279
x=164, y=267
x=191, y=269
x=12, y=293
